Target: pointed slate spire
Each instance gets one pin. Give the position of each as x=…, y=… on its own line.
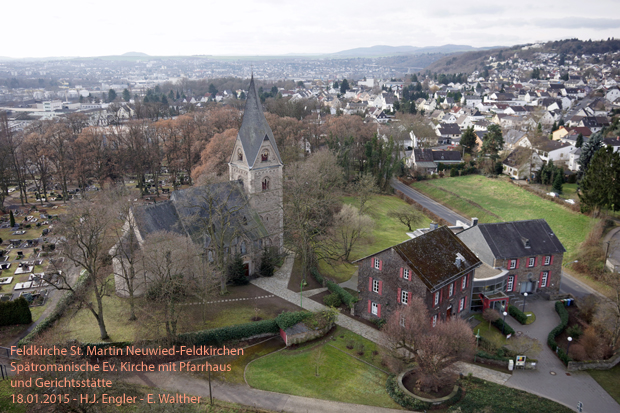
x=254, y=128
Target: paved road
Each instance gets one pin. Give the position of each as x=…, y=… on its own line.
x=576, y=288
x=561, y=387
x=435, y=207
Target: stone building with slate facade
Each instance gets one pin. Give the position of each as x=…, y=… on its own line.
x=518, y=257
x=245, y=212
x=436, y=266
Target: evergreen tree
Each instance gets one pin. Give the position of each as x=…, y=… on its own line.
x=558, y=181
x=600, y=186
x=344, y=86
x=111, y=95
x=468, y=140
x=493, y=142
x=267, y=262
x=236, y=271
x=579, y=141
x=171, y=95
x=212, y=90
x=164, y=100
x=126, y=95
x=588, y=150
x=178, y=96
x=12, y=219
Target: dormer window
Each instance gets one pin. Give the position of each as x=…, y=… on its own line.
x=264, y=157
x=239, y=155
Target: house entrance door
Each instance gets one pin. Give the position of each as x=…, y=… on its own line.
x=449, y=313
x=246, y=269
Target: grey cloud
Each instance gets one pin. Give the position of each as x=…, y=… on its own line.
x=578, y=23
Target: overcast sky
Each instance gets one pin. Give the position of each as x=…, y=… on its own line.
x=41, y=28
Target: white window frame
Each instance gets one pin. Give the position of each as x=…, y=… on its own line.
x=451, y=290
x=374, y=308
x=406, y=273
x=436, y=298
x=510, y=283
x=531, y=261
x=464, y=282
x=435, y=320
x=377, y=264
x=375, y=286
x=544, y=279
x=512, y=264
x=404, y=297
x=547, y=259
x=461, y=304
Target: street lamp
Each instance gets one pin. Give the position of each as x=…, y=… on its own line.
x=568, y=346
x=504, y=325
x=524, y=297
x=477, y=337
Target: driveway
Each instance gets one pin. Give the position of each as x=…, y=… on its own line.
x=566, y=388
x=435, y=207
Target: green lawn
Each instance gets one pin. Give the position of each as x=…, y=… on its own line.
x=490, y=333
x=341, y=378
x=387, y=232
x=609, y=380
x=510, y=203
x=81, y=325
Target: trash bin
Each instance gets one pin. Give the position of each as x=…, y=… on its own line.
x=568, y=301
x=511, y=364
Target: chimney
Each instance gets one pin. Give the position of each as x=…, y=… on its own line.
x=433, y=226
x=474, y=222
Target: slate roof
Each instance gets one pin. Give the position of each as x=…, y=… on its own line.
x=223, y=204
x=432, y=257
x=449, y=129
x=505, y=240
x=254, y=128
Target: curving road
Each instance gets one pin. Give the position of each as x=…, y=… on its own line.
x=433, y=206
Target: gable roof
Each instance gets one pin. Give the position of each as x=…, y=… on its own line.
x=504, y=240
x=254, y=128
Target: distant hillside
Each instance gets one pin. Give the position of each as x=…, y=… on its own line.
x=402, y=50
x=470, y=61
x=135, y=54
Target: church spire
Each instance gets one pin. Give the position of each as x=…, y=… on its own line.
x=254, y=128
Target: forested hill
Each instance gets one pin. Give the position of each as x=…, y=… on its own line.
x=469, y=61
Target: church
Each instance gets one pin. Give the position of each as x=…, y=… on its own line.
x=243, y=215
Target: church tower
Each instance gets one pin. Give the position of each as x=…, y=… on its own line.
x=256, y=162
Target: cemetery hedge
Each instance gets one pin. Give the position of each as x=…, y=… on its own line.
x=15, y=312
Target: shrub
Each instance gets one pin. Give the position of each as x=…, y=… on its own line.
x=268, y=262
x=561, y=310
x=236, y=271
x=591, y=343
x=289, y=319
x=379, y=322
x=332, y=300
x=563, y=356
x=499, y=323
x=15, y=312
x=485, y=355
x=574, y=331
x=344, y=295
x=217, y=336
x=317, y=276
x=517, y=314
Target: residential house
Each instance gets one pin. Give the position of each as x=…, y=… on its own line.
x=436, y=266
x=426, y=160
x=613, y=142
x=448, y=133
x=553, y=150
x=522, y=163
x=519, y=257
x=512, y=138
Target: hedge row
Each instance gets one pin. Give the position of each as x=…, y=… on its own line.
x=517, y=314
x=58, y=311
x=483, y=354
x=218, y=336
x=15, y=312
x=412, y=403
x=344, y=295
x=563, y=313
x=506, y=328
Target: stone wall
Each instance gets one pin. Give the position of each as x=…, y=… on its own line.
x=594, y=364
x=300, y=333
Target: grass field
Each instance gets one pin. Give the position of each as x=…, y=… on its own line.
x=341, y=378
x=387, y=232
x=510, y=203
x=609, y=380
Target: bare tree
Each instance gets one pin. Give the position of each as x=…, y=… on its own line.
x=86, y=229
x=364, y=188
x=350, y=226
x=413, y=339
x=172, y=262
x=490, y=315
x=406, y=215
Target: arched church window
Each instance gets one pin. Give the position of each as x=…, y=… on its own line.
x=264, y=157
x=243, y=249
x=266, y=184
x=210, y=256
x=239, y=155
